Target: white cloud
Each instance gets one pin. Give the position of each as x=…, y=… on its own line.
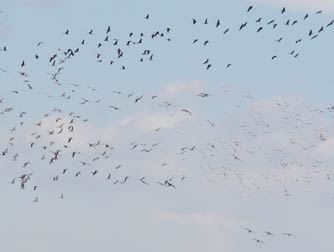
x=176, y=89
x=156, y=120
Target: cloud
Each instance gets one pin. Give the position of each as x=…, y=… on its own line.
x=177, y=89
x=152, y=121
x=203, y=219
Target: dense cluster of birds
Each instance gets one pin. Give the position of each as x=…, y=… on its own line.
x=56, y=136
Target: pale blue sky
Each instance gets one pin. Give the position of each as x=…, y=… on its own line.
x=280, y=146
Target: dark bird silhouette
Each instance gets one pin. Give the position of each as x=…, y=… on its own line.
x=186, y=111
x=269, y=233
x=125, y=179
x=169, y=184
x=258, y=241
x=143, y=180
x=271, y=22
x=242, y=26
x=330, y=23
x=260, y=29
x=249, y=231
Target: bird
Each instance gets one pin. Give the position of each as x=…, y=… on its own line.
x=242, y=26
x=249, y=231
x=115, y=108
x=259, y=29
x=206, y=61
x=249, y=8
x=269, y=233
x=330, y=23
x=186, y=111
x=203, y=95
x=169, y=184
x=125, y=179
x=142, y=180
x=258, y=241
x=139, y=98
x=271, y=22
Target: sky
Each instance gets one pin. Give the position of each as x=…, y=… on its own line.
x=263, y=137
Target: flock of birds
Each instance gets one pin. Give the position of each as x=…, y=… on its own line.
x=267, y=234
x=273, y=25
x=55, y=139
